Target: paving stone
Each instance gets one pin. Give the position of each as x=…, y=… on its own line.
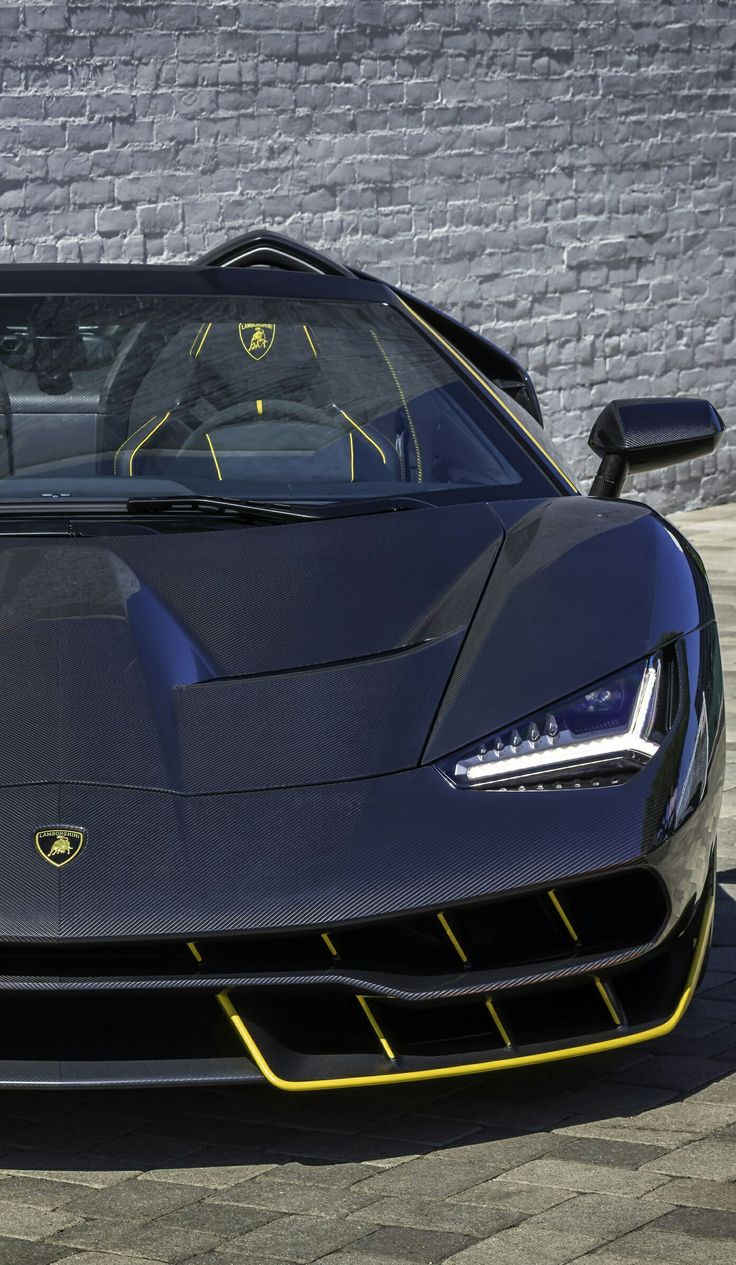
x=35, y=1167
x=657, y=1141
x=609, y=1216
x=697, y=1193
x=105, y=1258
x=703, y=1223
x=15, y=1252
x=163, y=1243
x=293, y=1197
x=677, y=1249
x=713, y=1158
x=210, y=1176
x=225, y=1220
x=526, y=1245
x=141, y=1150
x=324, y=1174
x=518, y=1196
x=404, y=1244
x=24, y=1221
x=135, y=1200
x=37, y=1190
x=585, y=1177
x=620, y=1154
x=297, y=1238
x=431, y=1178
x=439, y=1214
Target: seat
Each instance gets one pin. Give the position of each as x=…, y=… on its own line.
x=253, y=400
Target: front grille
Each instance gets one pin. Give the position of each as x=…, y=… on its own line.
x=324, y=1030
x=592, y=918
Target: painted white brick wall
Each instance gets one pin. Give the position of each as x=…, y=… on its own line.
x=558, y=173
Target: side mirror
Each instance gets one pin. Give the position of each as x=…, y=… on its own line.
x=648, y=434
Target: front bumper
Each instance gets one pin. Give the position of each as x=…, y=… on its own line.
x=506, y=930
x=549, y=974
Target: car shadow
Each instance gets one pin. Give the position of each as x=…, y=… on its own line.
x=583, y=1106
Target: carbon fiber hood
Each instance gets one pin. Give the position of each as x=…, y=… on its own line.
x=238, y=719
x=239, y=660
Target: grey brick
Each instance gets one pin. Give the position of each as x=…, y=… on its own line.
x=164, y=1243
x=134, y=1200
x=603, y=1178
x=299, y=1239
x=712, y=1158
x=403, y=1244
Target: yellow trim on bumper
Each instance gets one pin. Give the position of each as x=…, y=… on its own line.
x=521, y=1060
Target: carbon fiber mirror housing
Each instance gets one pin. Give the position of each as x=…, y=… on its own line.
x=638, y=435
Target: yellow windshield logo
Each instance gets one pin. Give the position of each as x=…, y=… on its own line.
x=59, y=844
x=257, y=338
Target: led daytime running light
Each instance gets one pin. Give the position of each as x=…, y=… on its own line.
x=563, y=750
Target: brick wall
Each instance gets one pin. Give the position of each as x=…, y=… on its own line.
x=558, y=173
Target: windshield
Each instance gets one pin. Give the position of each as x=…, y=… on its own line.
x=109, y=397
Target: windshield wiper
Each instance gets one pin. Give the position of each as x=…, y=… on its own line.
x=269, y=511
x=253, y=511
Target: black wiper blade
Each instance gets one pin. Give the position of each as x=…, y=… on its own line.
x=252, y=511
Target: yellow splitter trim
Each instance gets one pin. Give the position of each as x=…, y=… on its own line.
x=521, y=1060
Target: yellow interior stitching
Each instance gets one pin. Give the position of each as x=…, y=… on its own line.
x=146, y=438
x=309, y=339
x=330, y=945
x=364, y=434
x=214, y=457
x=207, y=328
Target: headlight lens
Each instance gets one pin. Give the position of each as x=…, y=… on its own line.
x=598, y=737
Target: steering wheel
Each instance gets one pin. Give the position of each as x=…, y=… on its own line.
x=237, y=414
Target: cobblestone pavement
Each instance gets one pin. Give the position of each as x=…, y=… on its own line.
x=615, y=1160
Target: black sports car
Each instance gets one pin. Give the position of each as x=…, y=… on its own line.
x=344, y=740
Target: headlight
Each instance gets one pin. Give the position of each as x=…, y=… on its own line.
x=598, y=737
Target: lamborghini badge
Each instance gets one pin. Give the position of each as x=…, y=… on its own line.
x=60, y=844
x=257, y=339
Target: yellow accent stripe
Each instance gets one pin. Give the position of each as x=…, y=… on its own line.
x=521, y=1060
x=404, y=403
x=259, y=407
x=497, y=1020
x=146, y=438
x=364, y=434
x=330, y=945
x=563, y=916
x=352, y=458
x=309, y=339
x=452, y=937
x=194, y=950
x=376, y=1028
x=607, y=998
x=206, y=329
x=125, y=441
x=214, y=458
x=474, y=373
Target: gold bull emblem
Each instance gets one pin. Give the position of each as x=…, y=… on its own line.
x=59, y=844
